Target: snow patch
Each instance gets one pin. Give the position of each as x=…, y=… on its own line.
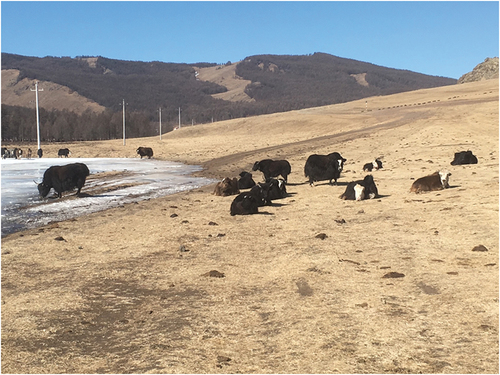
x=23, y=208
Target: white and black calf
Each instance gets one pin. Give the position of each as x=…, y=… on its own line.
x=436, y=181
x=361, y=189
x=376, y=164
x=18, y=153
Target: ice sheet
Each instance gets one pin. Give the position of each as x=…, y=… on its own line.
x=21, y=204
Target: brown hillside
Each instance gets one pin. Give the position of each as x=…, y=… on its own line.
x=225, y=75
x=397, y=284
x=54, y=96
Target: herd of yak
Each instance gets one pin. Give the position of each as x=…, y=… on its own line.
x=18, y=153
x=317, y=168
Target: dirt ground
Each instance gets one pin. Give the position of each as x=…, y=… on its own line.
x=397, y=284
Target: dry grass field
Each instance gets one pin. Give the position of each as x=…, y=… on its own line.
x=112, y=292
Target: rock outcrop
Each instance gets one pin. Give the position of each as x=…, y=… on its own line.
x=486, y=70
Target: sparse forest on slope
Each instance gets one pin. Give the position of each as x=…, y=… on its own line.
x=145, y=85
x=278, y=84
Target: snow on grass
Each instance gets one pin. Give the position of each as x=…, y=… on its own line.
x=23, y=208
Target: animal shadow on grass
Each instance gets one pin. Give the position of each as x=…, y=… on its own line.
x=68, y=196
x=274, y=204
x=341, y=183
x=440, y=191
x=87, y=195
x=320, y=183
x=81, y=195
x=261, y=213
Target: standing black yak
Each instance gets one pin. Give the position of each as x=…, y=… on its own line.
x=324, y=167
x=273, y=168
x=63, y=152
x=145, y=151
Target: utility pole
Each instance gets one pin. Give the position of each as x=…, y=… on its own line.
x=37, y=114
x=179, y=117
x=159, y=112
x=124, y=121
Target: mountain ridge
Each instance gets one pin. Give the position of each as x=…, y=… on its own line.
x=205, y=92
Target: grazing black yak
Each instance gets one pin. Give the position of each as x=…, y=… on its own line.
x=63, y=178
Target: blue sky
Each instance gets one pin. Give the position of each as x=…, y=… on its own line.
x=446, y=38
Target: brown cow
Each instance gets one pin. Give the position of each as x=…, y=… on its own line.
x=227, y=187
x=436, y=181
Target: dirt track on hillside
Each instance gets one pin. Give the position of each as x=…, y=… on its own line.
x=311, y=284
x=289, y=149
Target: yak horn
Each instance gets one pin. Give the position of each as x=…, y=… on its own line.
x=36, y=183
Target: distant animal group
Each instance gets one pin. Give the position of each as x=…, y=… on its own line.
x=18, y=153
x=15, y=153
x=318, y=168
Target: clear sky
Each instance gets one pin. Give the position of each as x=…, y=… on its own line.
x=447, y=38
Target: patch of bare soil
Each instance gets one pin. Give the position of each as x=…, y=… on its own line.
x=405, y=283
x=54, y=96
x=225, y=75
x=360, y=78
